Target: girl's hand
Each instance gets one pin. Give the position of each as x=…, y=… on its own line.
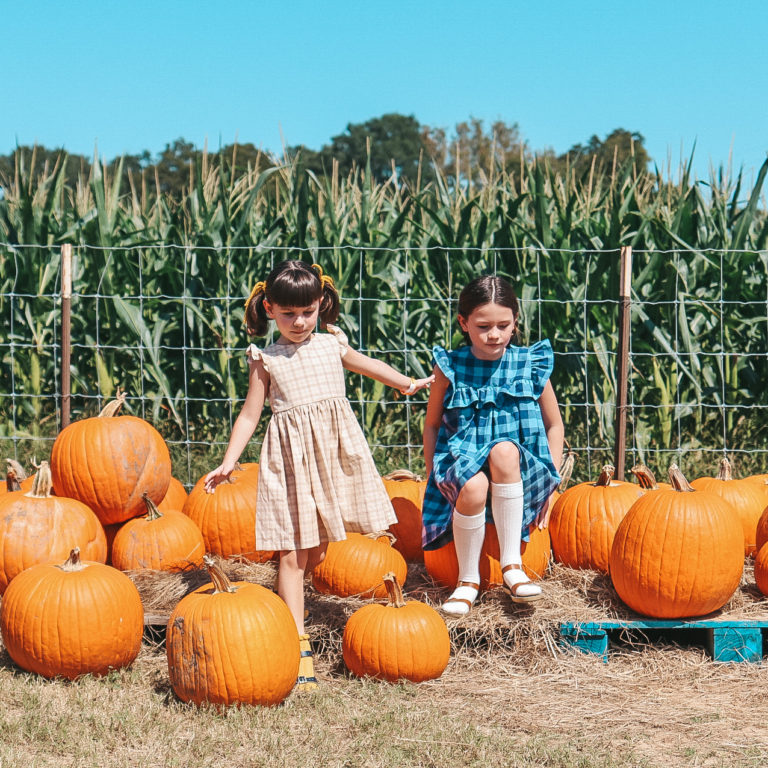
x=542, y=519
x=417, y=384
x=216, y=476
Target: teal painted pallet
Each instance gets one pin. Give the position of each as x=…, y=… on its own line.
x=726, y=641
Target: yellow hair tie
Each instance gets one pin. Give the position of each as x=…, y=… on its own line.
x=260, y=287
x=324, y=279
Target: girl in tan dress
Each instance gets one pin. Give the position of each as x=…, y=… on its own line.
x=317, y=478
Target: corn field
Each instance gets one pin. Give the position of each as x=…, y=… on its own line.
x=159, y=285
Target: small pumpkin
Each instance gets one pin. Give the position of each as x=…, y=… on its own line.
x=585, y=517
x=232, y=643
x=356, y=566
x=406, y=492
x=37, y=527
x=677, y=553
x=227, y=517
x=73, y=619
x=403, y=640
x=161, y=541
x=108, y=462
x=745, y=497
x=175, y=496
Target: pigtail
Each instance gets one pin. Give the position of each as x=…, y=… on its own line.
x=256, y=319
x=330, y=303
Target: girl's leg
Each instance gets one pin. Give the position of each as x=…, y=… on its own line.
x=468, y=537
x=507, y=509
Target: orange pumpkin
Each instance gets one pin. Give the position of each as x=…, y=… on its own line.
x=73, y=619
x=406, y=492
x=403, y=640
x=356, y=566
x=37, y=527
x=175, y=496
x=162, y=541
x=584, y=520
x=761, y=569
x=232, y=643
x=108, y=462
x=677, y=553
x=747, y=500
x=761, y=530
x=227, y=517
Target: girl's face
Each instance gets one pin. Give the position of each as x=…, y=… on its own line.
x=490, y=328
x=295, y=324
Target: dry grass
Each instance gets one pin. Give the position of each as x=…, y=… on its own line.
x=510, y=694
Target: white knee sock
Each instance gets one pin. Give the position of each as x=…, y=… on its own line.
x=468, y=537
x=507, y=509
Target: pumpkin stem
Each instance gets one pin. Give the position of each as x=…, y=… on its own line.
x=153, y=513
x=566, y=470
x=394, y=590
x=42, y=484
x=11, y=481
x=73, y=562
x=220, y=581
x=676, y=477
x=724, y=471
x=111, y=408
x=403, y=474
x=645, y=477
x=18, y=470
x=606, y=475
x=382, y=535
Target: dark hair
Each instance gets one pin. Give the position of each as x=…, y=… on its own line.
x=292, y=283
x=488, y=289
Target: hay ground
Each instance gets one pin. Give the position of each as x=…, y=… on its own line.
x=510, y=695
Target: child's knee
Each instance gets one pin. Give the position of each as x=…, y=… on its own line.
x=474, y=492
x=504, y=458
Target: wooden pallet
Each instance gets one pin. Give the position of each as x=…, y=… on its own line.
x=726, y=641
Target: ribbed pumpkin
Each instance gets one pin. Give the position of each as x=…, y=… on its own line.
x=403, y=640
x=584, y=520
x=761, y=569
x=16, y=478
x=443, y=566
x=109, y=461
x=761, y=530
x=745, y=497
x=761, y=481
x=356, y=566
x=73, y=619
x=232, y=643
x=406, y=492
x=37, y=527
x=175, y=497
x=646, y=479
x=161, y=541
x=227, y=517
x=677, y=552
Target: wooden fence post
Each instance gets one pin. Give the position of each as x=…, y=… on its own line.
x=622, y=372
x=66, y=331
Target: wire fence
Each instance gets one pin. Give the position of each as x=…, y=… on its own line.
x=164, y=323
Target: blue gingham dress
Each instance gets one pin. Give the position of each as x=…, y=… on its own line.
x=489, y=402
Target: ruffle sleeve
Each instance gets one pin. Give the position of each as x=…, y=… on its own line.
x=442, y=360
x=253, y=353
x=341, y=338
x=542, y=361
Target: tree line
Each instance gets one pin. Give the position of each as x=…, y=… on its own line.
x=392, y=144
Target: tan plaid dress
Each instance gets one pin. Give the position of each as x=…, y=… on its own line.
x=317, y=478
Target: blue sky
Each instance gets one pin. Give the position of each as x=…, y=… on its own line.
x=134, y=76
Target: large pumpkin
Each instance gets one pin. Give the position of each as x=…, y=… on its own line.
x=585, y=517
x=175, y=497
x=356, y=566
x=746, y=498
x=761, y=569
x=37, y=527
x=403, y=640
x=73, y=619
x=232, y=643
x=162, y=541
x=406, y=492
x=108, y=462
x=761, y=531
x=677, y=553
x=227, y=517
x=443, y=566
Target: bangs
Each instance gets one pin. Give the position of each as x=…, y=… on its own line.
x=295, y=288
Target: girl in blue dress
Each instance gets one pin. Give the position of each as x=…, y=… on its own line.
x=492, y=424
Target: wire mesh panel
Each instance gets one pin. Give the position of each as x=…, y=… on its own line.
x=164, y=323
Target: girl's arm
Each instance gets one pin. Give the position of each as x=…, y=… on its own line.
x=245, y=425
x=434, y=416
x=553, y=425
x=357, y=362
